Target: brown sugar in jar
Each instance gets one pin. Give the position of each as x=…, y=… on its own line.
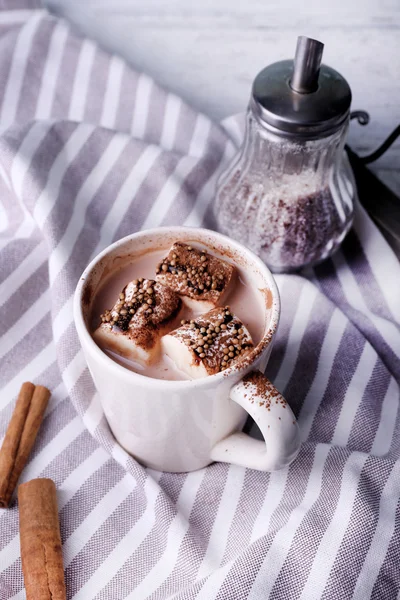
x=289, y=193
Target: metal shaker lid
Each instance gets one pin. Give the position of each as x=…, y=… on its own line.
x=301, y=97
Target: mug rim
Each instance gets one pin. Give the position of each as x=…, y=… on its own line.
x=121, y=371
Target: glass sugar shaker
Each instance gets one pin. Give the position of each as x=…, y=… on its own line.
x=288, y=194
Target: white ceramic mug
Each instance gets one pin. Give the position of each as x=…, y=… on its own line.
x=182, y=426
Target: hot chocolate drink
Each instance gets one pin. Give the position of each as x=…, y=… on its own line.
x=153, y=315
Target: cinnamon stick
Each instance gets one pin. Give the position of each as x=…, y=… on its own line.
x=40, y=539
x=20, y=437
x=12, y=438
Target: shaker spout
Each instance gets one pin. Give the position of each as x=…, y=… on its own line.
x=307, y=62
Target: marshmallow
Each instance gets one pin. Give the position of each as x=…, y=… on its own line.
x=208, y=344
x=141, y=315
x=200, y=278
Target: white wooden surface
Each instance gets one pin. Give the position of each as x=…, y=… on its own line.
x=209, y=51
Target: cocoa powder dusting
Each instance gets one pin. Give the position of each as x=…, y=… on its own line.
x=262, y=390
x=87, y=295
x=268, y=297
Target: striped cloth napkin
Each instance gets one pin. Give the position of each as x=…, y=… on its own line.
x=89, y=152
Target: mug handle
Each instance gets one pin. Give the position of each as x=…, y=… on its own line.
x=277, y=423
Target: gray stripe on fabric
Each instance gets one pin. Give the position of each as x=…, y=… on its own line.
x=250, y=502
x=184, y=571
x=87, y=497
x=107, y=537
x=308, y=361
x=34, y=73
x=185, y=129
x=37, y=175
x=354, y=547
x=206, y=504
x=26, y=349
x=126, y=102
x=251, y=559
x=69, y=342
x=374, y=337
x=358, y=263
x=209, y=220
x=290, y=289
x=331, y=287
x=14, y=213
x=19, y=4
x=201, y=519
x=129, y=575
x=103, y=203
x=8, y=52
x=193, y=184
x=52, y=424
x=10, y=143
x=23, y=298
x=155, y=117
x=141, y=203
x=106, y=438
x=304, y=546
x=70, y=458
x=344, y=366
x=65, y=78
x=82, y=392
x=98, y=80
x=72, y=180
x=369, y=412
x=387, y=584
x=171, y=484
x=13, y=254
